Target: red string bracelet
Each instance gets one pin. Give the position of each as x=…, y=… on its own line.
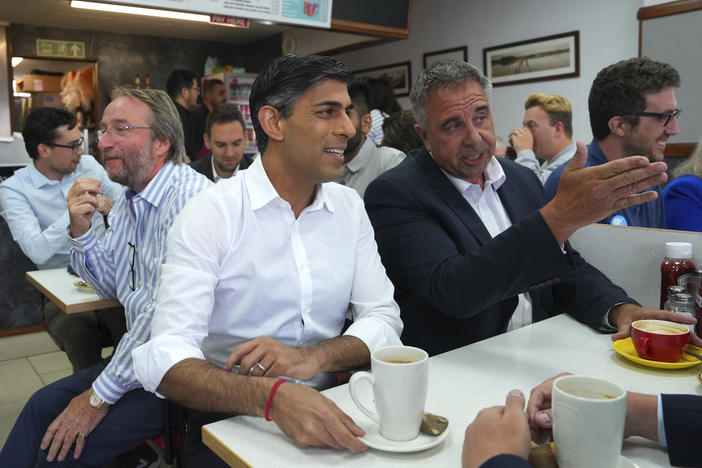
x=270, y=397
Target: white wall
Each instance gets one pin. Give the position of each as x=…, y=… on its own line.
x=608, y=33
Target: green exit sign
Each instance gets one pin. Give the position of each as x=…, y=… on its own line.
x=51, y=48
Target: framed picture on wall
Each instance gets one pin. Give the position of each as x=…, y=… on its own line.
x=398, y=75
x=540, y=59
x=457, y=53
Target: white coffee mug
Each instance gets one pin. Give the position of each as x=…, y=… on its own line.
x=399, y=377
x=588, y=421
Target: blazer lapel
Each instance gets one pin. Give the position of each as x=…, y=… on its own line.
x=516, y=204
x=452, y=198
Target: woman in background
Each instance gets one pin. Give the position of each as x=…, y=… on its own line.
x=683, y=196
x=383, y=103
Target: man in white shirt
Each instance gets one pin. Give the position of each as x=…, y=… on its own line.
x=547, y=134
x=363, y=160
x=261, y=269
x=34, y=205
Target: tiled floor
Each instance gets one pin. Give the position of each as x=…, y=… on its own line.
x=27, y=363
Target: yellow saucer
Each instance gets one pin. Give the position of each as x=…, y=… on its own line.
x=626, y=348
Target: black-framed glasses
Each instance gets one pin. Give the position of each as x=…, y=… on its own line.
x=72, y=146
x=119, y=130
x=665, y=117
x=132, y=273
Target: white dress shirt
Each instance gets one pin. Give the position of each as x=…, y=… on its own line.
x=488, y=206
x=240, y=265
x=36, y=211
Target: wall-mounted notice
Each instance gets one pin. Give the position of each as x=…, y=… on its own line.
x=307, y=12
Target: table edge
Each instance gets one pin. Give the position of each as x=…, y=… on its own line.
x=222, y=450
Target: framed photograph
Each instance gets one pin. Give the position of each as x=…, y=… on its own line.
x=398, y=75
x=541, y=59
x=457, y=53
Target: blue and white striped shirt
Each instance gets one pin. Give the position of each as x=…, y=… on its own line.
x=142, y=219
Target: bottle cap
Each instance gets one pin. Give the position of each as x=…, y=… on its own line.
x=678, y=250
x=676, y=289
x=684, y=297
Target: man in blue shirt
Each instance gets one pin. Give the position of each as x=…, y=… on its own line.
x=89, y=418
x=34, y=205
x=633, y=111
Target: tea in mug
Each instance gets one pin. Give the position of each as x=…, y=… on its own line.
x=589, y=394
x=397, y=361
x=660, y=328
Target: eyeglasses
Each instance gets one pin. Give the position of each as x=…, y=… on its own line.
x=667, y=116
x=132, y=273
x=119, y=131
x=72, y=146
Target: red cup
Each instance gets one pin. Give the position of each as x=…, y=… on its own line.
x=659, y=340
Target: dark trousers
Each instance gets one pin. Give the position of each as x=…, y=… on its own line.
x=82, y=335
x=136, y=417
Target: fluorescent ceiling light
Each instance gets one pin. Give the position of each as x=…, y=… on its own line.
x=16, y=61
x=140, y=11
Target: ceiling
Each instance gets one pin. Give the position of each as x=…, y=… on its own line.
x=58, y=13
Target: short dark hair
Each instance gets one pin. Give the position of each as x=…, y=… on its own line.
x=382, y=97
x=284, y=79
x=209, y=84
x=177, y=80
x=41, y=127
x=360, y=95
x=224, y=113
x=620, y=89
x=399, y=132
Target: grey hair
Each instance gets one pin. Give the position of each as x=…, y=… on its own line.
x=693, y=164
x=442, y=75
x=165, y=121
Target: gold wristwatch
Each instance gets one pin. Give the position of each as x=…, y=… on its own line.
x=97, y=402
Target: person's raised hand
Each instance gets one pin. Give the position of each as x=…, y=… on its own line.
x=587, y=195
x=521, y=139
x=82, y=200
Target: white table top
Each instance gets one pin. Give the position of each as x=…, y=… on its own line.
x=461, y=383
x=57, y=285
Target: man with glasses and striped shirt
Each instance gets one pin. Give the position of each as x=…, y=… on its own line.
x=34, y=205
x=91, y=417
x=633, y=111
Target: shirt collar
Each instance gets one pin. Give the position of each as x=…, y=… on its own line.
x=155, y=190
x=494, y=175
x=261, y=191
x=39, y=180
x=215, y=175
x=361, y=158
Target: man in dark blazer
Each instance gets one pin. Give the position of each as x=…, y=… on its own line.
x=225, y=138
x=464, y=237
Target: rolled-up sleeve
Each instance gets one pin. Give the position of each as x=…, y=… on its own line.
x=184, y=301
x=376, y=314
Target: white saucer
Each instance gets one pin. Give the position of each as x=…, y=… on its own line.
x=374, y=440
x=626, y=463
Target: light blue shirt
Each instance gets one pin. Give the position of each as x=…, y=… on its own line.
x=36, y=211
x=142, y=219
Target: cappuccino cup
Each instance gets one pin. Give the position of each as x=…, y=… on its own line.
x=588, y=421
x=399, y=378
x=659, y=340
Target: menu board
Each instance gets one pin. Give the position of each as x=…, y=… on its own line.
x=306, y=12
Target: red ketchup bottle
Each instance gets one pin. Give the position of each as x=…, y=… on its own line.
x=677, y=262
